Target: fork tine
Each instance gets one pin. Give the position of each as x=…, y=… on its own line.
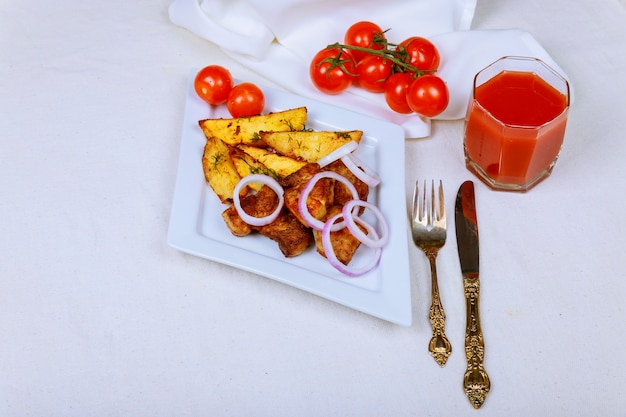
x=441, y=215
x=432, y=210
x=417, y=203
x=423, y=205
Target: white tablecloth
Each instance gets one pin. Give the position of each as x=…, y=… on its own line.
x=100, y=317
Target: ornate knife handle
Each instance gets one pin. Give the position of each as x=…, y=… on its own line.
x=476, y=381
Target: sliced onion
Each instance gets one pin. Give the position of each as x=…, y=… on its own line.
x=332, y=257
x=351, y=220
x=337, y=153
x=360, y=170
x=265, y=180
x=304, y=196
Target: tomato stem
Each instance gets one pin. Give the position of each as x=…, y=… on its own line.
x=395, y=55
x=336, y=62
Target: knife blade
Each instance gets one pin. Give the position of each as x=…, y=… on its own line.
x=475, y=381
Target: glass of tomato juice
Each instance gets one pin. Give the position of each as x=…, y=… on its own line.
x=515, y=123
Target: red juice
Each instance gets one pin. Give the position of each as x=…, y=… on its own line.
x=514, y=129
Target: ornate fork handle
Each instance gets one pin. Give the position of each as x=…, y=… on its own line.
x=439, y=346
x=476, y=381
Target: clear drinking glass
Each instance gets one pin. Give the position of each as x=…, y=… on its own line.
x=515, y=123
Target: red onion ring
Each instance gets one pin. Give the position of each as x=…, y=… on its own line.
x=332, y=257
x=266, y=180
x=350, y=220
x=337, y=153
x=304, y=195
x=360, y=170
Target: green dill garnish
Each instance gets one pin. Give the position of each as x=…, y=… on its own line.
x=272, y=173
x=289, y=124
x=217, y=159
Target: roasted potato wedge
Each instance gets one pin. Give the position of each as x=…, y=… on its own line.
x=308, y=145
x=219, y=170
x=247, y=165
x=278, y=164
x=246, y=129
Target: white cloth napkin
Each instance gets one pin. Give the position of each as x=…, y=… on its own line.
x=278, y=40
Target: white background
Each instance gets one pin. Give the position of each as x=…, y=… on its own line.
x=99, y=317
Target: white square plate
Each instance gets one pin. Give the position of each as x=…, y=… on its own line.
x=196, y=225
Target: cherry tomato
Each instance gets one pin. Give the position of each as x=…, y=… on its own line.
x=362, y=34
x=213, y=84
x=428, y=95
x=421, y=53
x=373, y=72
x=395, y=92
x=332, y=77
x=245, y=99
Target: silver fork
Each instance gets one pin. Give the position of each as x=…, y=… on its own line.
x=428, y=226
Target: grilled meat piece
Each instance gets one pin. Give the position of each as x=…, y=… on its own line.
x=344, y=243
x=341, y=193
x=258, y=204
x=320, y=198
x=292, y=237
x=234, y=223
x=289, y=233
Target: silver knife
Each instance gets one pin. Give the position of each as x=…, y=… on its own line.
x=476, y=381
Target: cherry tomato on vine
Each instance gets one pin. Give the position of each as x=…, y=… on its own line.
x=362, y=34
x=331, y=74
x=421, y=53
x=373, y=72
x=213, y=84
x=428, y=95
x=245, y=99
x=395, y=92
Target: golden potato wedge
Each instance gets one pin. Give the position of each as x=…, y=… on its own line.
x=246, y=129
x=278, y=164
x=219, y=169
x=247, y=165
x=308, y=145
